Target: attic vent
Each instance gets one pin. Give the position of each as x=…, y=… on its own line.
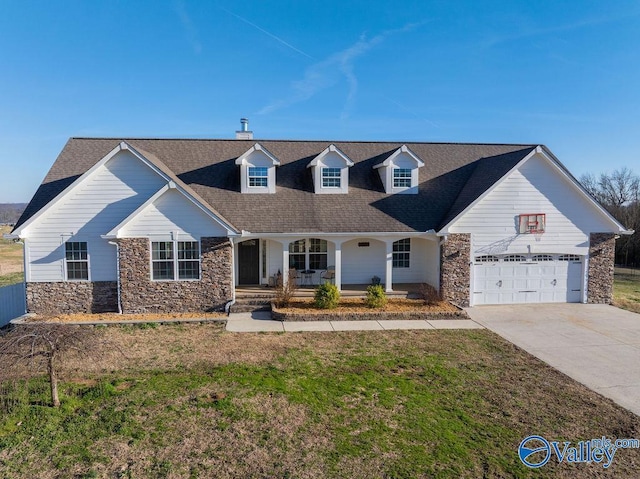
x=243, y=133
x=364, y=244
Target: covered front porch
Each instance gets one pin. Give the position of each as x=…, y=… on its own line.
x=401, y=290
x=399, y=262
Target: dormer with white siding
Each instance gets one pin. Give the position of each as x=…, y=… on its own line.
x=257, y=170
x=399, y=172
x=330, y=171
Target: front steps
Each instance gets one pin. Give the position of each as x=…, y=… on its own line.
x=249, y=303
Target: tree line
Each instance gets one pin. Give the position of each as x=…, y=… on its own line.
x=10, y=212
x=619, y=193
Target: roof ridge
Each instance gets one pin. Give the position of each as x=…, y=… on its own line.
x=256, y=140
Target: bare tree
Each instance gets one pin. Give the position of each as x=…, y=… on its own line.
x=619, y=193
x=42, y=345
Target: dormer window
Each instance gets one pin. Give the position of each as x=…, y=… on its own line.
x=331, y=177
x=258, y=176
x=402, y=177
x=399, y=172
x=330, y=171
x=257, y=170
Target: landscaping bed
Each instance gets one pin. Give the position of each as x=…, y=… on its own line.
x=356, y=309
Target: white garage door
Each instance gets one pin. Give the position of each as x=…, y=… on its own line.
x=533, y=278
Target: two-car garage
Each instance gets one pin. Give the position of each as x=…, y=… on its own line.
x=527, y=278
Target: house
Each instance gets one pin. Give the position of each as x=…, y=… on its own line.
x=162, y=225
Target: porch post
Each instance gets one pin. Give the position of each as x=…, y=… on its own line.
x=338, y=266
x=285, y=263
x=388, y=273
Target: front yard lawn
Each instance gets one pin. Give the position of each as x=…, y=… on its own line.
x=195, y=401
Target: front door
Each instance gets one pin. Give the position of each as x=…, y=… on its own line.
x=249, y=262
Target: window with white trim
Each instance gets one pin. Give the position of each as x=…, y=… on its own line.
x=514, y=258
x=331, y=177
x=402, y=177
x=175, y=259
x=258, y=176
x=308, y=254
x=401, y=253
x=76, y=260
x=532, y=223
x=542, y=257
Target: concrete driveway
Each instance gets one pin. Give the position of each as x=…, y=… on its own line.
x=597, y=345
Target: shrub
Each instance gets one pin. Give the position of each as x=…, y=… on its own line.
x=326, y=296
x=284, y=292
x=376, y=297
x=429, y=294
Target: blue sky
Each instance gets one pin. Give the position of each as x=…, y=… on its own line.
x=562, y=73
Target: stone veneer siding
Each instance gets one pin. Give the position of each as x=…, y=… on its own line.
x=602, y=247
x=455, y=269
x=139, y=294
x=67, y=297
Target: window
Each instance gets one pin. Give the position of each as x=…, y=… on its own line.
x=489, y=258
x=401, y=250
x=258, y=176
x=188, y=260
x=317, y=254
x=76, y=260
x=331, y=177
x=569, y=257
x=175, y=259
x=402, y=178
x=542, y=257
x=308, y=254
x=532, y=223
x=514, y=258
x=297, y=256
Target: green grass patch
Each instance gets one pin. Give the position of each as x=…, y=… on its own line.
x=445, y=404
x=626, y=290
x=11, y=278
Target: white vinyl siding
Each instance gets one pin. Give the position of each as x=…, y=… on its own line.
x=95, y=206
x=423, y=266
x=360, y=264
x=169, y=214
x=535, y=187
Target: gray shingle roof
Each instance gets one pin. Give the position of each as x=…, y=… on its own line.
x=454, y=175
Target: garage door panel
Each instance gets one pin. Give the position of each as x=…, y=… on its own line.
x=547, y=279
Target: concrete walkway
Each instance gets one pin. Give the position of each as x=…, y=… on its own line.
x=597, y=345
x=258, y=322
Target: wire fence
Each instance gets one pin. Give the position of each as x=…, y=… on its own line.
x=626, y=270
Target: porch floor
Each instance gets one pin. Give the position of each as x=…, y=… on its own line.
x=400, y=290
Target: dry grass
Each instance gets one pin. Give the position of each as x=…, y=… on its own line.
x=196, y=401
x=626, y=290
x=10, y=257
x=115, y=317
x=358, y=305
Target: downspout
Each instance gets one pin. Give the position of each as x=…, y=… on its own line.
x=227, y=307
x=115, y=243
